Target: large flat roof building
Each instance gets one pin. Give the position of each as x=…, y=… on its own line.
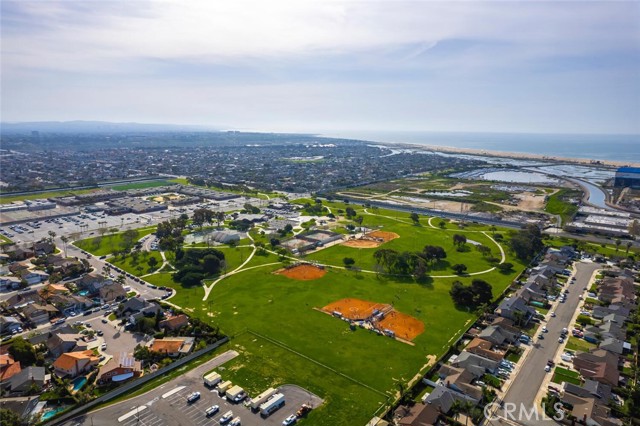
x=627, y=177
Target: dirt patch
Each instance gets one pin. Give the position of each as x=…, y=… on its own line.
x=303, y=272
x=403, y=326
x=362, y=243
x=384, y=235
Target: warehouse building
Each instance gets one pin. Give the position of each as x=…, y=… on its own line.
x=627, y=177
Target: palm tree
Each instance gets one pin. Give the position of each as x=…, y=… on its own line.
x=628, y=245
x=456, y=409
x=65, y=240
x=467, y=408
x=617, y=243
x=52, y=235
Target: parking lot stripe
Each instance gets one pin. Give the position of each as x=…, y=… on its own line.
x=131, y=413
x=173, y=391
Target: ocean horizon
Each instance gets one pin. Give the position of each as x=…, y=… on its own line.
x=623, y=148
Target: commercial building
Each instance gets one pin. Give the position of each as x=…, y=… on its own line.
x=627, y=177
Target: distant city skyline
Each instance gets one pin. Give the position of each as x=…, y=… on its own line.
x=326, y=67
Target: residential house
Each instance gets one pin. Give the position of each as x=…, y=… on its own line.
x=616, y=289
x=515, y=308
x=599, y=312
x=38, y=314
x=23, y=298
x=8, y=283
x=43, y=248
x=498, y=335
x=9, y=323
x=174, y=322
x=132, y=306
x=172, y=346
x=418, y=415
x=467, y=359
x=598, y=365
x=112, y=292
x=613, y=345
x=442, y=398
x=74, y=363
x=23, y=406
x=483, y=347
x=120, y=371
x=60, y=343
x=27, y=378
x=589, y=389
x=588, y=411
x=20, y=253
x=460, y=379
x=32, y=277
x=8, y=368
x=93, y=283
x=531, y=291
x=70, y=302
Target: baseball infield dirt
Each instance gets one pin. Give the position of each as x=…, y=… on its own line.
x=303, y=272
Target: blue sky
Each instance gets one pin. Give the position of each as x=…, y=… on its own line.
x=326, y=66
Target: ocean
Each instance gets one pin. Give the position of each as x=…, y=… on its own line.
x=623, y=148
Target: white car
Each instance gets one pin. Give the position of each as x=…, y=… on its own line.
x=547, y=368
x=553, y=314
x=560, y=340
x=290, y=420
x=103, y=346
x=544, y=329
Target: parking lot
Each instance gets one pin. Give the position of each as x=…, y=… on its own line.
x=167, y=404
x=87, y=224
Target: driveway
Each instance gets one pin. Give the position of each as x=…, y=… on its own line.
x=531, y=376
x=118, y=341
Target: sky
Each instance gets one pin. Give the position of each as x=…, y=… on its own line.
x=326, y=66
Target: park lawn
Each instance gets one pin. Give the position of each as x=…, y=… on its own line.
x=260, y=366
x=576, y=344
x=107, y=244
x=162, y=279
x=141, y=185
x=137, y=266
x=5, y=240
x=603, y=249
x=557, y=204
x=412, y=238
x=233, y=256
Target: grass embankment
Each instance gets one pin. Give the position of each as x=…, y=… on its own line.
x=560, y=204
x=108, y=243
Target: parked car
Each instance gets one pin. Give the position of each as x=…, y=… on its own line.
x=290, y=420
x=561, y=340
x=212, y=410
x=547, y=368
x=103, y=346
x=193, y=397
x=553, y=314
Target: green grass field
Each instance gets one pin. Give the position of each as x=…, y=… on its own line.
x=142, y=185
x=108, y=243
x=282, y=337
x=355, y=371
x=558, y=204
x=6, y=199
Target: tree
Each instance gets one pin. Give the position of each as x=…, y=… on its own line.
x=11, y=418
x=52, y=235
x=482, y=292
x=348, y=262
x=634, y=228
x=505, y=267
x=484, y=250
x=628, y=245
x=350, y=212
x=152, y=262
x=64, y=240
x=211, y=264
x=22, y=351
x=433, y=254
x=459, y=268
x=442, y=224
x=459, y=240
x=527, y=242
x=358, y=220
x=415, y=217
x=617, y=243
x=219, y=216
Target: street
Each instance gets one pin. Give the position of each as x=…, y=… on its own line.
x=525, y=386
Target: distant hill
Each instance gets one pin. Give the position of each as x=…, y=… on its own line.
x=95, y=127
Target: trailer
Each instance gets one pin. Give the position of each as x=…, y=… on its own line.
x=212, y=379
x=260, y=399
x=272, y=405
x=235, y=394
x=222, y=387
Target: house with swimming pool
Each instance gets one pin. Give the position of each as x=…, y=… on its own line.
x=72, y=364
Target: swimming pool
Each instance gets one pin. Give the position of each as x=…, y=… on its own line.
x=79, y=382
x=83, y=293
x=49, y=414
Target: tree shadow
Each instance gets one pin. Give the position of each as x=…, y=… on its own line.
x=426, y=282
x=440, y=265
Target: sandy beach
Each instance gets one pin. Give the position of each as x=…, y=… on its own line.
x=515, y=155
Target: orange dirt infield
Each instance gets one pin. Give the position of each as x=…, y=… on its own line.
x=369, y=243
x=386, y=236
x=303, y=272
x=404, y=326
x=362, y=243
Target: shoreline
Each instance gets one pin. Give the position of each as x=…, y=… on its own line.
x=505, y=154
